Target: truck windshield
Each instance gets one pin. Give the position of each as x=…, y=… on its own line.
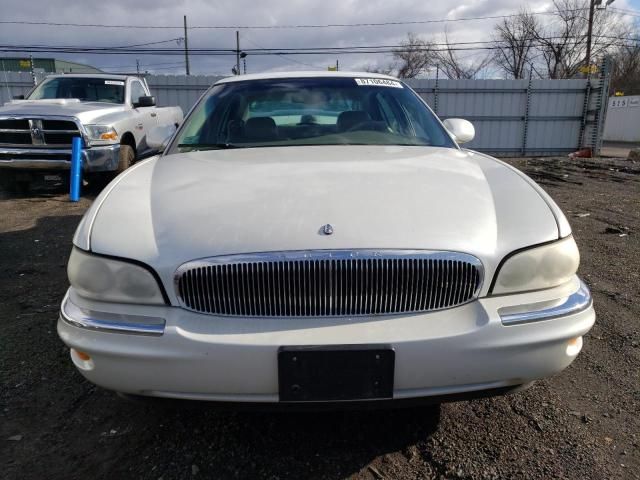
x=84, y=89
x=310, y=111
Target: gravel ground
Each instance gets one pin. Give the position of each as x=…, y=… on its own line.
x=583, y=423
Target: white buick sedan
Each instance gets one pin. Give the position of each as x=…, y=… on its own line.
x=321, y=237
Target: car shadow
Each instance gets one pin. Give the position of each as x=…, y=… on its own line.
x=322, y=444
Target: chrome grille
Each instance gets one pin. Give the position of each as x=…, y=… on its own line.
x=38, y=132
x=328, y=283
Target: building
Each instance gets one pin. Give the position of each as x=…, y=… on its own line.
x=46, y=65
x=623, y=119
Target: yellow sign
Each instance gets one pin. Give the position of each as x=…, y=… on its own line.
x=589, y=69
x=24, y=63
x=332, y=69
x=618, y=94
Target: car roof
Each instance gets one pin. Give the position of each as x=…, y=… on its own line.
x=303, y=74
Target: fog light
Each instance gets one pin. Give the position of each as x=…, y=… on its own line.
x=574, y=346
x=81, y=355
x=81, y=359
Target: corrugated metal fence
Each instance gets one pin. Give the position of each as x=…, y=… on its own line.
x=512, y=117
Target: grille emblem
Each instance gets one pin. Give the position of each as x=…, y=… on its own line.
x=37, y=135
x=327, y=229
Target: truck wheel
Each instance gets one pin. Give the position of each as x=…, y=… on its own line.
x=127, y=157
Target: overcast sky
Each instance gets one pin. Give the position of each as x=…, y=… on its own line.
x=248, y=12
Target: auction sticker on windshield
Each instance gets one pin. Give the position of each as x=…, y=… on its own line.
x=114, y=82
x=377, y=82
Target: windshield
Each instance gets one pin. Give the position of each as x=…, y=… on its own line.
x=84, y=89
x=310, y=111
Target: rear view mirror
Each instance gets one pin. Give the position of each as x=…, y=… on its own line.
x=158, y=137
x=461, y=130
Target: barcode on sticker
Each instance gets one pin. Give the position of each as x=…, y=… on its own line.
x=377, y=82
x=114, y=82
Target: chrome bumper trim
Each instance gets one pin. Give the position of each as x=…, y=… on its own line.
x=110, y=322
x=94, y=159
x=574, y=303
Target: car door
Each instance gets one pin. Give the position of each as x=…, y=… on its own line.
x=145, y=117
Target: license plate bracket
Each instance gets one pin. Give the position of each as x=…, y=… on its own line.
x=335, y=373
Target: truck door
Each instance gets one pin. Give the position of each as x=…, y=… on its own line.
x=146, y=117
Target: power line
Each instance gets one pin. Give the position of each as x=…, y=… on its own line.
x=232, y=52
x=626, y=11
x=144, y=65
x=291, y=26
x=135, y=47
x=282, y=56
x=469, y=45
x=151, y=43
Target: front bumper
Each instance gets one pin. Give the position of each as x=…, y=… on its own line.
x=94, y=159
x=169, y=352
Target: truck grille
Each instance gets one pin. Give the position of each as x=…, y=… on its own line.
x=329, y=283
x=33, y=131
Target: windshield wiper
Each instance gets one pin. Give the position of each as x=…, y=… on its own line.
x=207, y=146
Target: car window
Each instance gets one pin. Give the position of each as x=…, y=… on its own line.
x=85, y=89
x=393, y=115
x=311, y=111
x=137, y=91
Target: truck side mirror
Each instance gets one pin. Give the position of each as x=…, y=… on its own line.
x=18, y=97
x=146, y=101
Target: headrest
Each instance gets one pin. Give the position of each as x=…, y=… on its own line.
x=347, y=120
x=261, y=128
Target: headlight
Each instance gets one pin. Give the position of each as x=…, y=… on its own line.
x=101, y=134
x=538, y=268
x=110, y=280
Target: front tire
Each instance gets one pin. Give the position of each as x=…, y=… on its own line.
x=127, y=158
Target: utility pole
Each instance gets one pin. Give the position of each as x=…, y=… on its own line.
x=186, y=46
x=237, y=52
x=138, y=66
x=592, y=11
x=337, y=66
x=592, y=7
x=243, y=56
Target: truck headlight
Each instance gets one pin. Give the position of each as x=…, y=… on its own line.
x=101, y=134
x=109, y=280
x=537, y=268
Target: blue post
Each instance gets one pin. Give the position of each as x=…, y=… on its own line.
x=76, y=169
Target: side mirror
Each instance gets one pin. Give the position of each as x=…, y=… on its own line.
x=462, y=130
x=158, y=137
x=18, y=97
x=146, y=101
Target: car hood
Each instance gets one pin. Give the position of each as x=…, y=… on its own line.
x=86, y=112
x=181, y=207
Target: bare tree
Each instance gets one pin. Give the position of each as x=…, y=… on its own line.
x=414, y=56
x=385, y=70
x=625, y=73
x=453, y=66
x=562, y=40
x=514, y=43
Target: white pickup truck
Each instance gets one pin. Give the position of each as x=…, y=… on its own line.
x=111, y=113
